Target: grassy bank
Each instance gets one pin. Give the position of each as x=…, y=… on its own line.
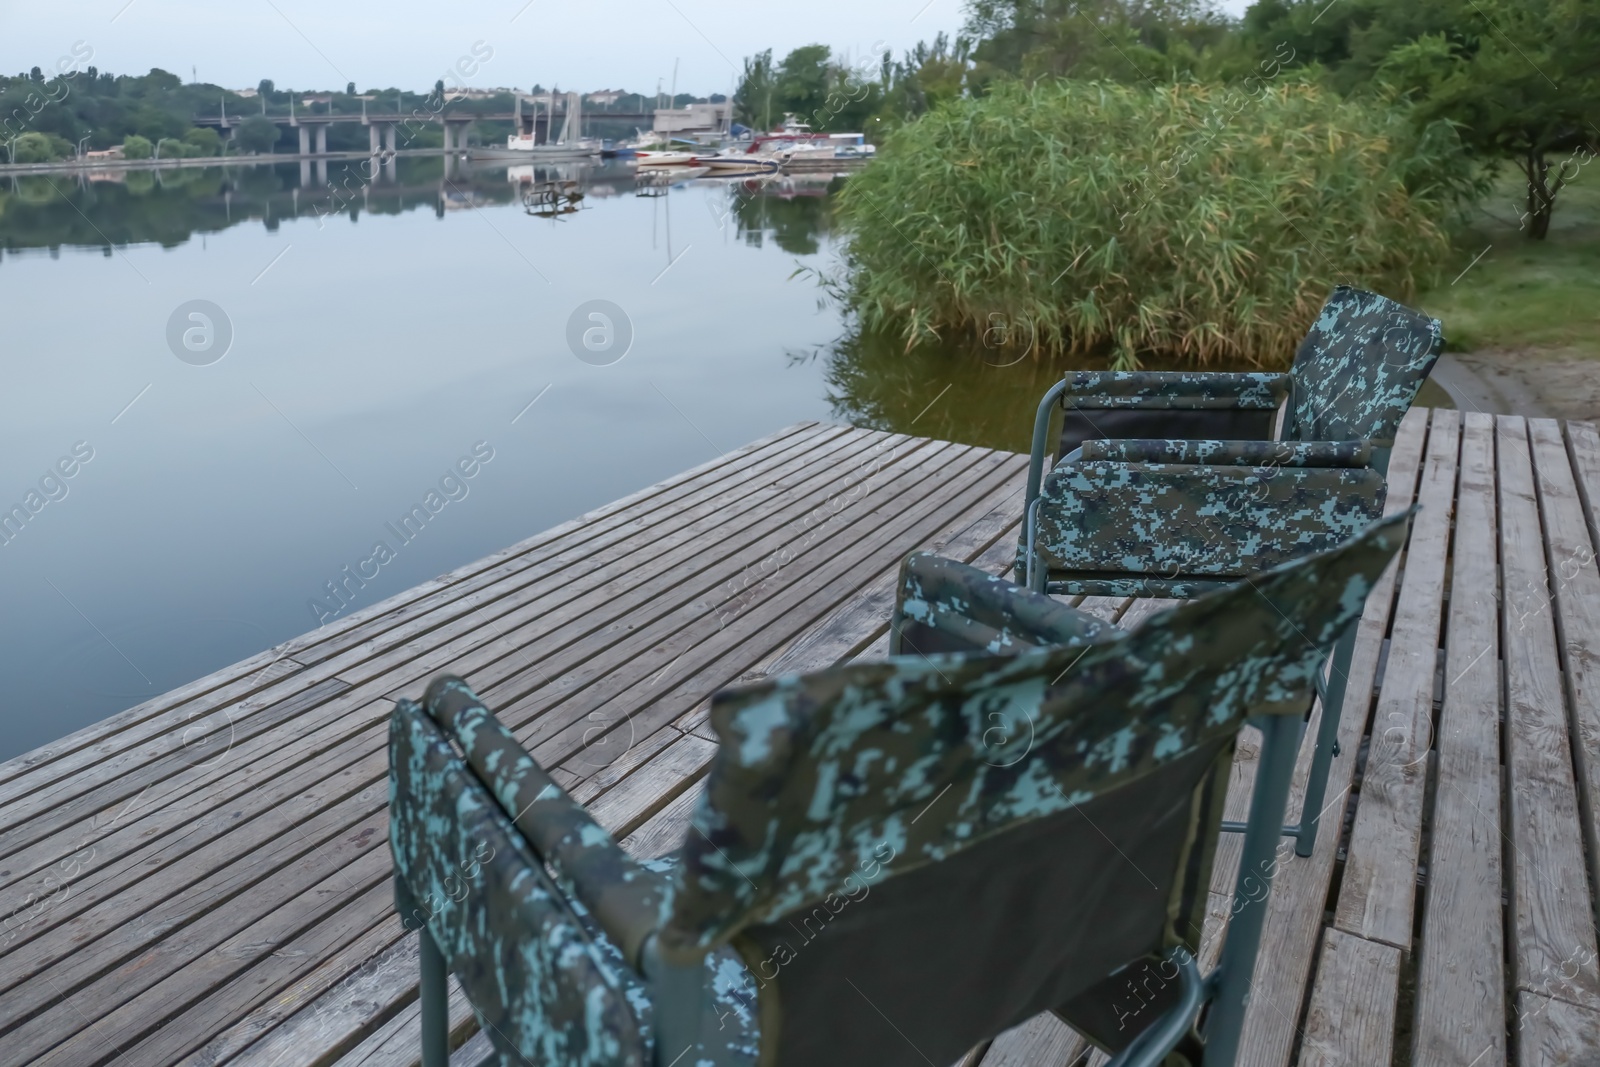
x=1522, y=294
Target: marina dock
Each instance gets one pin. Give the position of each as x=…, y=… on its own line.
x=204, y=879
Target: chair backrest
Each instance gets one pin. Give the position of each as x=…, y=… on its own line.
x=505, y=929
x=1163, y=529
x=1359, y=368
x=861, y=845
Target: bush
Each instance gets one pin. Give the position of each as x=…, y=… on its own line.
x=1105, y=220
x=34, y=147
x=136, y=147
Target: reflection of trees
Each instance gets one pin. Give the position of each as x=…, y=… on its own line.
x=170, y=207
x=979, y=394
x=794, y=210
x=954, y=393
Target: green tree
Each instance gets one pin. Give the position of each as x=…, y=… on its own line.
x=35, y=147
x=136, y=147
x=1132, y=41
x=928, y=76
x=1522, y=81
x=205, y=141
x=350, y=89
x=755, y=98
x=804, y=79
x=256, y=134
x=265, y=87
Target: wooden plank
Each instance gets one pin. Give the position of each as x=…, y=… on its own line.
x=276, y=952
x=1576, y=583
x=1042, y=1041
x=339, y=974
x=777, y=611
x=121, y=787
x=131, y=1000
x=1552, y=913
x=1300, y=887
x=654, y=786
x=573, y=635
x=663, y=832
x=168, y=877
x=1460, y=1005
x=333, y=1018
x=1552, y=1033
x=398, y=1041
x=642, y=751
x=1142, y=608
x=1377, y=894
x=862, y=623
x=1583, y=447
x=1236, y=808
x=1351, y=1019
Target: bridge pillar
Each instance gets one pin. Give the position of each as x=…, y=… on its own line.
x=455, y=136
x=305, y=178
x=321, y=166
x=375, y=139
x=391, y=134
x=322, y=139
x=305, y=140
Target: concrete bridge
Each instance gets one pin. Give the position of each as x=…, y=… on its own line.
x=383, y=129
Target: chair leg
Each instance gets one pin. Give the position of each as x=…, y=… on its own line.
x=435, y=1004
x=1280, y=743
x=1327, y=740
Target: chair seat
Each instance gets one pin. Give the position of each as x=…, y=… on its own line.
x=1233, y=453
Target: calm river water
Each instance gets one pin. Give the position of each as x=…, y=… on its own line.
x=187, y=510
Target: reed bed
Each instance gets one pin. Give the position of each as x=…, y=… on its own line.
x=1193, y=222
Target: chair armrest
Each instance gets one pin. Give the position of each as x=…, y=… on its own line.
x=627, y=900
x=1233, y=453
x=1150, y=1048
x=1145, y=404
x=972, y=610
x=1174, y=389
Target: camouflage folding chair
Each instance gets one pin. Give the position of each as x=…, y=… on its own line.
x=1166, y=485
x=863, y=883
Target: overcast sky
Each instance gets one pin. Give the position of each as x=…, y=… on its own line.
x=576, y=44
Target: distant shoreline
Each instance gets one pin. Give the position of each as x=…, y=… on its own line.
x=74, y=166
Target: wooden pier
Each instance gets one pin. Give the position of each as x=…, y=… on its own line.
x=205, y=878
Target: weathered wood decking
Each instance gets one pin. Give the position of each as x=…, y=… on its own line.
x=204, y=879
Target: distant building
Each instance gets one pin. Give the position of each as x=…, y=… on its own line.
x=696, y=118
x=316, y=98
x=605, y=97
x=477, y=94
x=108, y=153
x=246, y=93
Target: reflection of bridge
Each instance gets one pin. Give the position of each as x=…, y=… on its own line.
x=384, y=130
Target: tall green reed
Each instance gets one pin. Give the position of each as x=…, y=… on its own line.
x=1194, y=222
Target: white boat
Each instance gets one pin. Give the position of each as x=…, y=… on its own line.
x=664, y=159
x=739, y=164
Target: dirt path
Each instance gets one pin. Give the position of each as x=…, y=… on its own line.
x=1540, y=383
